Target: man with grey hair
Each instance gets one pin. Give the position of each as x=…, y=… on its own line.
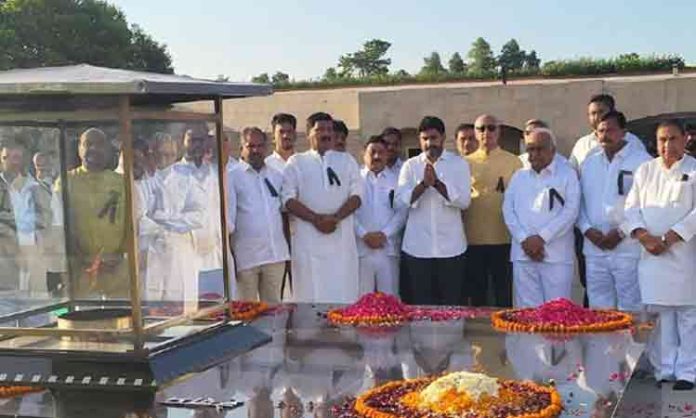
x=256, y=222
x=540, y=208
x=529, y=126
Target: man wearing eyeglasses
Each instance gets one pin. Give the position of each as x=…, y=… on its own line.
x=489, y=240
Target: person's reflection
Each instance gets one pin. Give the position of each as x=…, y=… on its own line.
x=437, y=347
x=208, y=240
x=174, y=204
x=260, y=404
x=381, y=363
x=96, y=209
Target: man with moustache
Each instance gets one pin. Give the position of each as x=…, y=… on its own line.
x=434, y=187
x=392, y=137
x=322, y=189
x=489, y=240
x=378, y=223
x=340, y=135
x=661, y=214
x=540, y=207
x=284, y=128
x=255, y=222
x=606, y=177
x=465, y=138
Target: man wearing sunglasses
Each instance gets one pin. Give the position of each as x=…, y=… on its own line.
x=488, y=254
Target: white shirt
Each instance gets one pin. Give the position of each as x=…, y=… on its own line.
x=324, y=266
x=254, y=214
x=528, y=210
x=24, y=207
x=396, y=168
x=605, y=185
x=662, y=199
x=434, y=228
x=590, y=142
x=276, y=161
x=525, y=159
x=380, y=211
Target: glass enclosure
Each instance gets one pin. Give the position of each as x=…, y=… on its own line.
x=110, y=222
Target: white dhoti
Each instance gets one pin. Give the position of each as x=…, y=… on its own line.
x=612, y=282
x=536, y=283
x=673, y=354
x=379, y=271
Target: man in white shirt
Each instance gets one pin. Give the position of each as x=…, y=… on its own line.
x=605, y=178
x=540, y=207
x=174, y=209
x=30, y=207
x=284, y=128
x=435, y=186
x=322, y=189
x=256, y=224
x=661, y=214
x=208, y=239
x=392, y=137
x=378, y=223
x=599, y=105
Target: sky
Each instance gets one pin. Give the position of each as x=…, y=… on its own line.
x=243, y=38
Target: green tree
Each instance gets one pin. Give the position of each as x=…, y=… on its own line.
x=511, y=56
x=370, y=61
x=280, y=78
x=262, y=78
x=481, y=56
x=330, y=74
x=432, y=65
x=456, y=64
x=36, y=33
x=531, y=61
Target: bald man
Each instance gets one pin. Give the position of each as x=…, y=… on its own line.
x=540, y=208
x=96, y=209
x=488, y=254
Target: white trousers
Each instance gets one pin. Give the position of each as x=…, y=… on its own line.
x=536, y=283
x=379, y=271
x=612, y=282
x=673, y=352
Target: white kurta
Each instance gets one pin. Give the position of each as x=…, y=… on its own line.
x=174, y=212
x=208, y=239
x=662, y=199
x=324, y=266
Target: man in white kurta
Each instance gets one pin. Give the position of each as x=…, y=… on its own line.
x=322, y=189
x=208, y=239
x=540, y=208
x=661, y=214
x=174, y=210
x=379, y=223
x=256, y=222
x=611, y=257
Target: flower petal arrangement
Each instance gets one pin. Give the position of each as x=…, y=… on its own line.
x=242, y=310
x=454, y=395
x=560, y=316
x=383, y=310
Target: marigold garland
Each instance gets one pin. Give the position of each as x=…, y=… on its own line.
x=560, y=316
x=12, y=391
x=400, y=399
x=242, y=310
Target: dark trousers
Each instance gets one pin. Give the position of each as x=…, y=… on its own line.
x=486, y=263
x=579, y=244
x=432, y=281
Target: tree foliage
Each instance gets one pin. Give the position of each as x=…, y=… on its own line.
x=37, y=33
x=511, y=56
x=456, y=64
x=370, y=61
x=481, y=57
x=433, y=65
